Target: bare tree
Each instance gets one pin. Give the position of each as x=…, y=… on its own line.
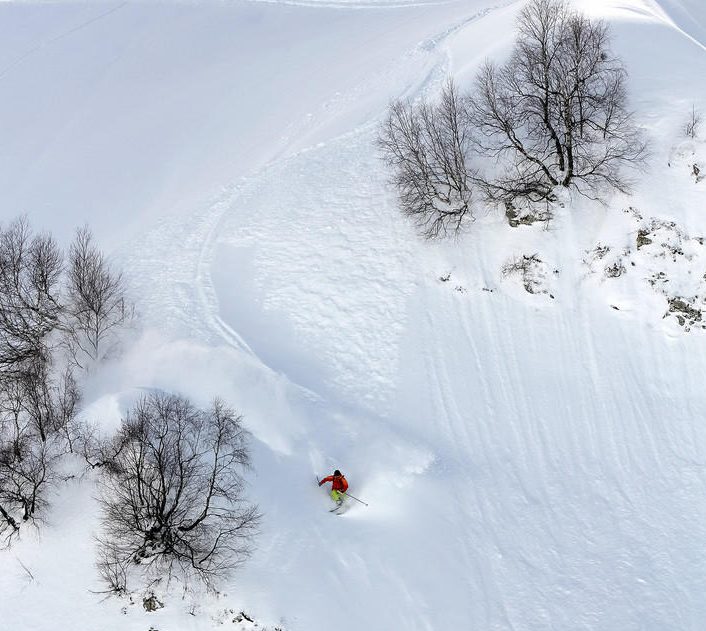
x=556, y=113
x=47, y=402
x=30, y=273
x=112, y=568
x=30, y=409
x=172, y=498
x=427, y=147
x=96, y=304
x=25, y=476
x=693, y=124
x=27, y=471
x=39, y=396
x=35, y=411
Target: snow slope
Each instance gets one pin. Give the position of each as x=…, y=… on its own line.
x=531, y=461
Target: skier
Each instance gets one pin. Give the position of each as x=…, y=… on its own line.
x=339, y=486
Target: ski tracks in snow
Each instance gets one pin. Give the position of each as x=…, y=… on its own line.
x=48, y=42
x=325, y=187
x=307, y=268
x=540, y=445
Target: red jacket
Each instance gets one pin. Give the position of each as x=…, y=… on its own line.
x=339, y=482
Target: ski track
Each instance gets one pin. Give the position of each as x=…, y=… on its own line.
x=358, y=375
x=184, y=300
x=579, y=489
x=44, y=44
x=530, y=463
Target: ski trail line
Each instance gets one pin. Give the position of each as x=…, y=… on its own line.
x=44, y=44
x=208, y=300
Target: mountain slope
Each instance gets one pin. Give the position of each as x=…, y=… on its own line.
x=531, y=461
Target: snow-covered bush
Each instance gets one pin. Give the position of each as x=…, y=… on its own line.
x=173, y=495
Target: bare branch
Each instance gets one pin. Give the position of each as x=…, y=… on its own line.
x=427, y=146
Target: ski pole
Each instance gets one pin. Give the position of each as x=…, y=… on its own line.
x=354, y=498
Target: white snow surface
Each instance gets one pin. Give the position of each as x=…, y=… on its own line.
x=530, y=461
